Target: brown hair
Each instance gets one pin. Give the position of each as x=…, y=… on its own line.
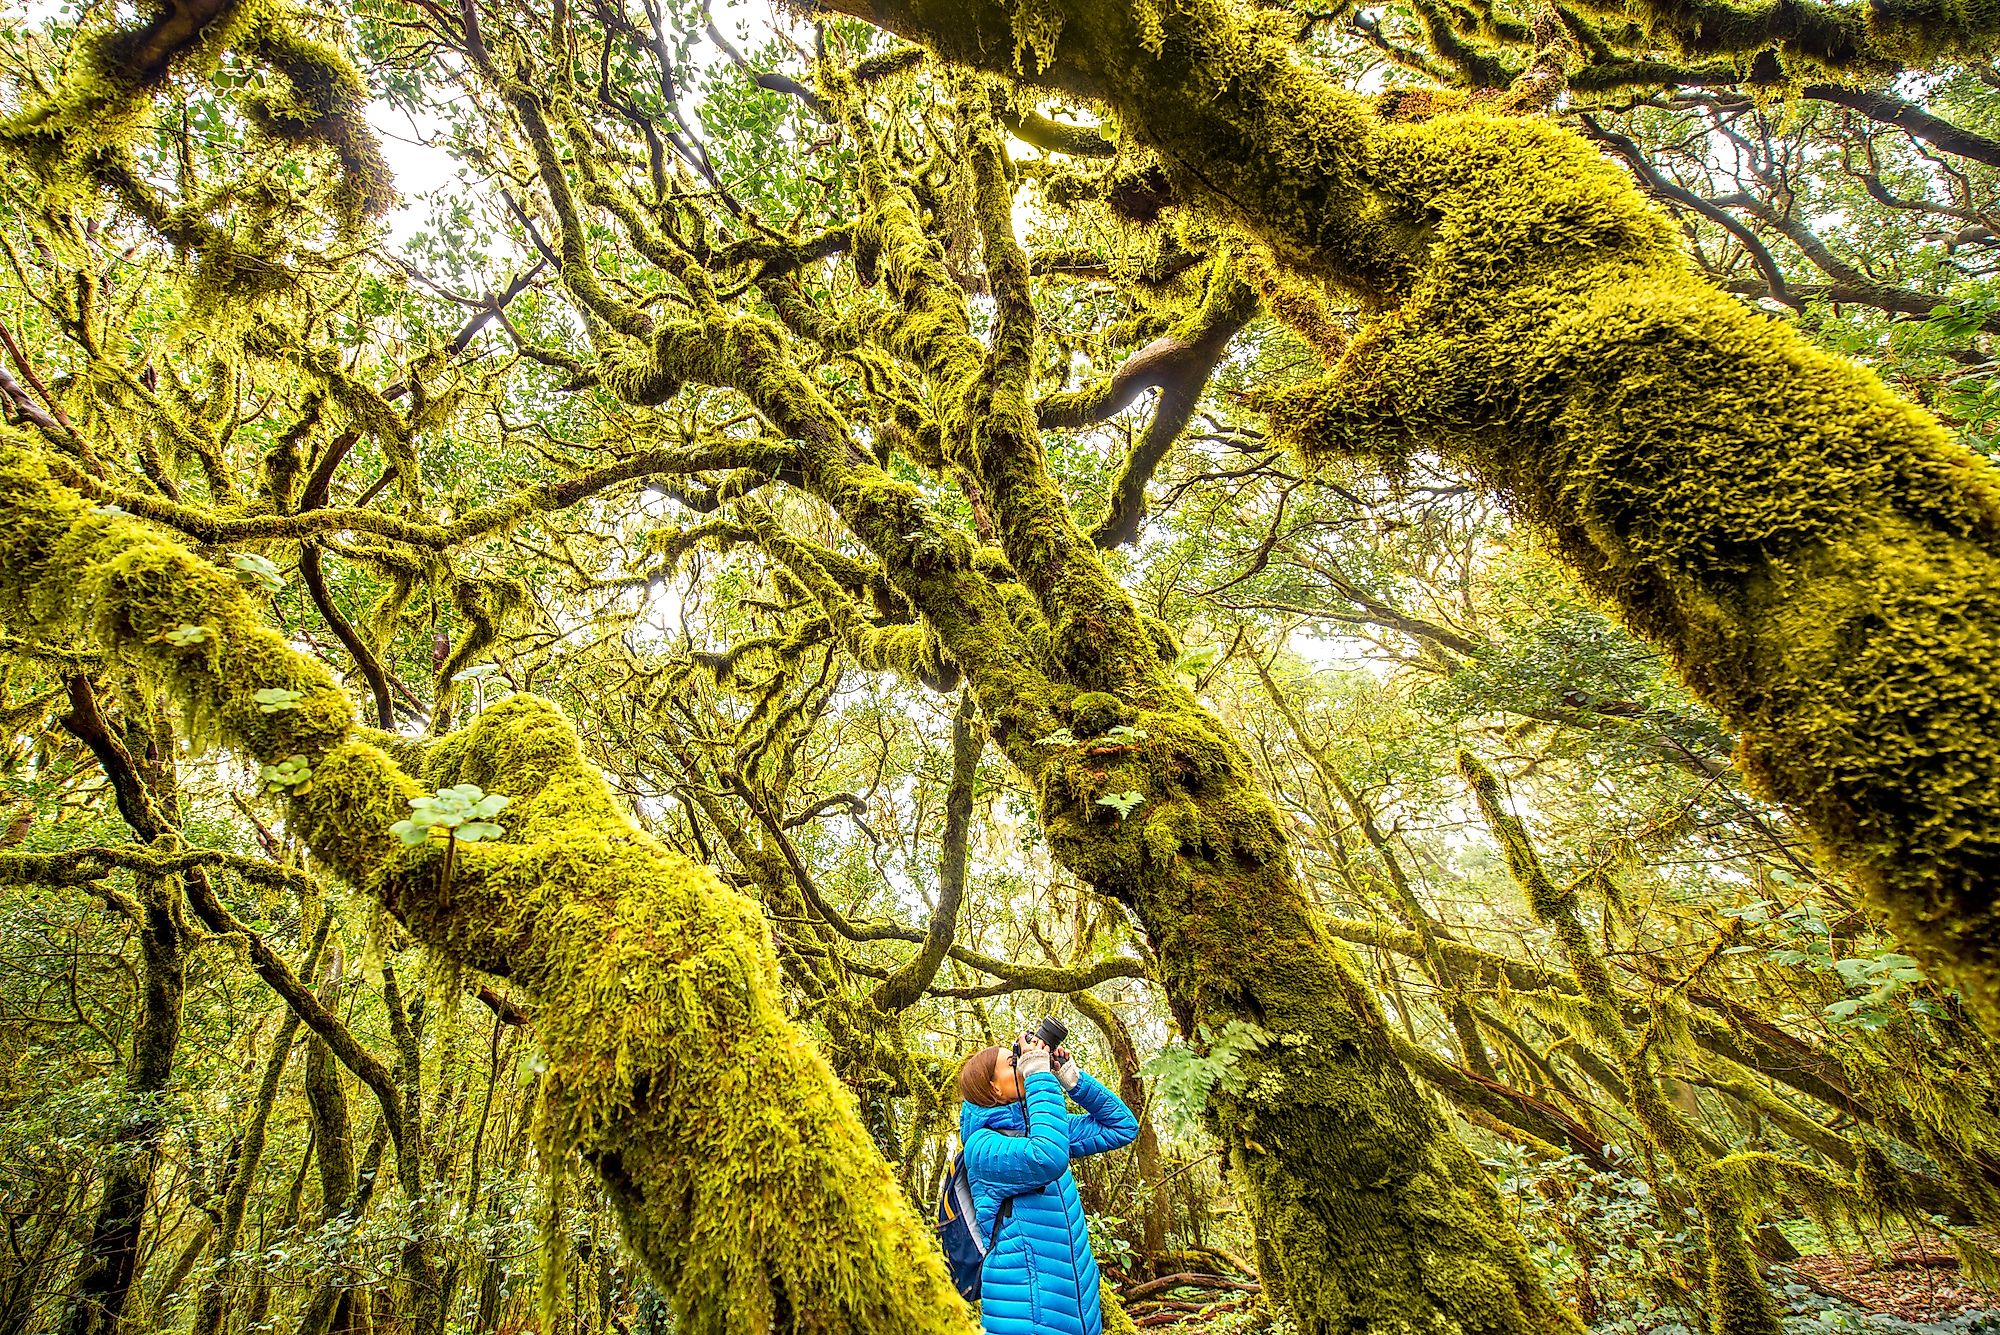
x=975, y=1078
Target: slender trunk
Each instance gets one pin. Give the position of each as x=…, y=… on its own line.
x=211, y=1305
x=177, y=1273
x=111, y=1256
x=1739, y=1302
x=1152, y=1239
x=423, y=1284
x=329, y=1310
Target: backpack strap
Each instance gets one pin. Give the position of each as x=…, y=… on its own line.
x=1006, y=1209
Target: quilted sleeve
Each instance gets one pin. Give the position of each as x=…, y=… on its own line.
x=1105, y=1122
x=1010, y=1165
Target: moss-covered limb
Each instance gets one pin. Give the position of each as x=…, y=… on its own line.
x=69, y=138
x=1739, y=1303
x=508, y=73
x=1408, y=907
x=1769, y=1051
x=1920, y=1193
x=1530, y=1120
x=988, y=423
x=1093, y=626
x=903, y=987
x=660, y=1018
x=1031, y=127
x=215, y=526
x=78, y=866
x=1846, y=632
x=1456, y=42
x=659, y=1012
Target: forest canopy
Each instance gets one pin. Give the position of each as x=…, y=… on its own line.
x=594, y=594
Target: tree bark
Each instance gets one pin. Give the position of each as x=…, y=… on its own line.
x=110, y=1260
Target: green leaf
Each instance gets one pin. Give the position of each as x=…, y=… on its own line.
x=293, y=772
x=257, y=571
x=186, y=636
x=411, y=833
x=1195, y=661
x=277, y=699
x=1060, y=737
x=463, y=809
x=1122, y=803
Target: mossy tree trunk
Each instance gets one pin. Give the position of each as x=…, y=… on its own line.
x=729, y=1148
x=1370, y=1213
x=1817, y=557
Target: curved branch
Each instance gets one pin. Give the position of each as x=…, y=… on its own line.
x=1912, y=120
x=902, y=988
x=312, y=571
x=1053, y=136
x=207, y=527
x=1657, y=184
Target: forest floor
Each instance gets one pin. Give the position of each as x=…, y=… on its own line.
x=1909, y=1288
x=1919, y=1282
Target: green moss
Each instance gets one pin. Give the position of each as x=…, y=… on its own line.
x=1816, y=555
x=1095, y=712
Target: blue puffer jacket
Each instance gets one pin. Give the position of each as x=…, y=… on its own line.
x=1039, y=1278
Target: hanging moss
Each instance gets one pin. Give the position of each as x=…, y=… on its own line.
x=76, y=138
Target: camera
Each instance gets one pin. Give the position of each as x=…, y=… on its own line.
x=1051, y=1032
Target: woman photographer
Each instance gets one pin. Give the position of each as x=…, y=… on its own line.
x=1039, y=1278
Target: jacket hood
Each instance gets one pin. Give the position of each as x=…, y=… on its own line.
x=1006, y=1117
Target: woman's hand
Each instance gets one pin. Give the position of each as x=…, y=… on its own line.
x=1066, y=1068
x=1034, y=1056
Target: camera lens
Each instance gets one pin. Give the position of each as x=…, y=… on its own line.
x=1052, y=1032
